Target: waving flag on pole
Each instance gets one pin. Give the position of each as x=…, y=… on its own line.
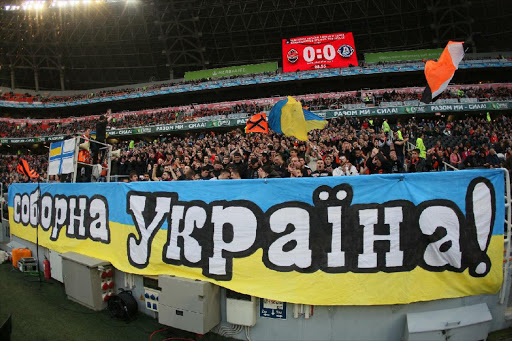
x=440, y=73
x=257, y=124
x=24, y=169
x=289, y=118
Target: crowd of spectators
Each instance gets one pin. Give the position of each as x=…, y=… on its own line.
x=30, y=98
x=172, y=115
x=346, y=147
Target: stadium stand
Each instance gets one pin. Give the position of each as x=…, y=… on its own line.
x=347, y=100
x=470, y=142
x=42, y=100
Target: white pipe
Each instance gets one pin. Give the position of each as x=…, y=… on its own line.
x=307, y=311
x=248, y=333
x=295, y=311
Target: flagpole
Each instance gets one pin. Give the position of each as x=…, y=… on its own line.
x=38, y=219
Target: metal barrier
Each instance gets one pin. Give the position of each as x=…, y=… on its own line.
x=117, y=178
x=106, y=147
x=447, y=165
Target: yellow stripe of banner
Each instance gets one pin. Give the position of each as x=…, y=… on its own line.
x=250, y=276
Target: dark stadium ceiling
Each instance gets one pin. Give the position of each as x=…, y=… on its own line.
x=101, y=43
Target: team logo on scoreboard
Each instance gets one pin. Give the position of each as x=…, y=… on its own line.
x=292, y=56
x=345, y=51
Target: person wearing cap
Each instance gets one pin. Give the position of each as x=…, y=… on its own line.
x=217, y=168
x=265, y=159
x=252, y=169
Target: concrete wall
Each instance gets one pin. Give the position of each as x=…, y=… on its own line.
x=331, y=322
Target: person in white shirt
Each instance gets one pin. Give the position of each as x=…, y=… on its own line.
x=345, y=168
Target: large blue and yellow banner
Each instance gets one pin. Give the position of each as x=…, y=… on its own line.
x=362, y=240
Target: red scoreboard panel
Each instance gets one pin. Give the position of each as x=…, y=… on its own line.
x=319, y=52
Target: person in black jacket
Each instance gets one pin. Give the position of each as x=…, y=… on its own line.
x=101, y=136
x=417, y=163
x=471, y=161
x=493, y=161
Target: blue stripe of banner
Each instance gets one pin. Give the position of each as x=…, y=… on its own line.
x=376, y=189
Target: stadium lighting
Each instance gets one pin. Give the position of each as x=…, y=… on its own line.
x=37, y=5
x=30, y=5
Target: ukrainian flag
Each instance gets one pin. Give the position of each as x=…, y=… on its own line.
x=289, y=118
x=55, y=149
x=61, y=157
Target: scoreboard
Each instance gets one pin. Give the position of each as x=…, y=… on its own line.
x=319, y=52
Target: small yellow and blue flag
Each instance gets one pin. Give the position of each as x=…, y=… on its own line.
x=289, y=118
x=61, y=160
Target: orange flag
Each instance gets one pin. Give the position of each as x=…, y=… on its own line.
x=257, y=124
x=440, y=73
x=24, y=168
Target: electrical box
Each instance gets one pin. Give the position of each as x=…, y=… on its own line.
x=151, y=298
x=56, y=265
x=152, y=293
x=187, y=304
x=88, y=281
x=240, y=308
x=458, y=324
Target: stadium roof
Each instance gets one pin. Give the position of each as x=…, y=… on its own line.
x=84, y=44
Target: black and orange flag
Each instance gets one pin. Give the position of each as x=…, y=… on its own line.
x=440, y=73
x=257, y=124
x=24, y=169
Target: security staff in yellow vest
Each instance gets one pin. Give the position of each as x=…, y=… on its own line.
x=421, y=146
